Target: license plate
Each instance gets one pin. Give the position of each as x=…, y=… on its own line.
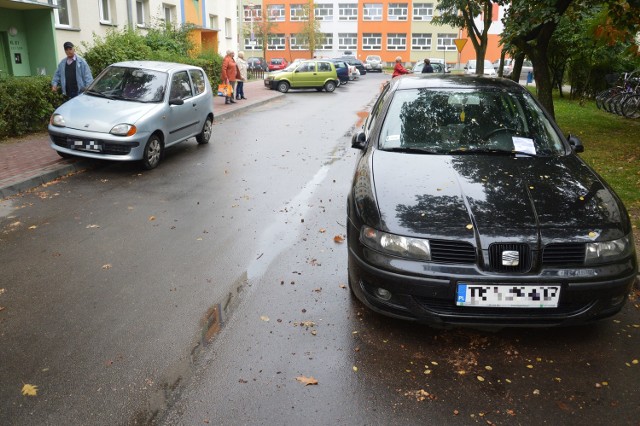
x=508, y=296
x=87, y=146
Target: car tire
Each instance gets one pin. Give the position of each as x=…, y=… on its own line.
x=283, y=87
x=330, y=86
x=65, y=155
x=152, y=153
x=204, y=135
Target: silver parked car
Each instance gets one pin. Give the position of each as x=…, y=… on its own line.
x=373, y=63
x=133, y=111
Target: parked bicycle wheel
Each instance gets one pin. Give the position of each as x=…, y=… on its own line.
x=631, y=107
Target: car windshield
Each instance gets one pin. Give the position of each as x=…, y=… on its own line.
x=443, y=121
x=129, y=84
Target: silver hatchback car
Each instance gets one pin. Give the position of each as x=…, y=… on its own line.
x=133, y=111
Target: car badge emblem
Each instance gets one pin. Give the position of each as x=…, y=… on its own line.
x=86, y=126
x=510, y=258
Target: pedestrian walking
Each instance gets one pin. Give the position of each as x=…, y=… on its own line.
x=242, y=69
x=230, y=75
x=73, y=74
x=427, y=66
x=399, y=69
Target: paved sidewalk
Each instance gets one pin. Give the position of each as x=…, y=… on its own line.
x=29, y=162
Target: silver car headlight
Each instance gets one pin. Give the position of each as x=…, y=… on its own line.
x=123, y=130
x=606, y=251
x=57, y=120
x=395, y=245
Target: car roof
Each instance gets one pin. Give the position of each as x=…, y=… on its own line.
x=454, y=81
x=154, y=65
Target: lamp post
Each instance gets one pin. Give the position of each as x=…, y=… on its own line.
x=251, y=22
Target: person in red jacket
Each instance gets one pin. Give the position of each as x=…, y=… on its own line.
x=230, y=74
x=399, y=69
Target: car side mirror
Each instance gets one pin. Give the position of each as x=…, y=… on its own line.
x=359, y=140
x=576, y=144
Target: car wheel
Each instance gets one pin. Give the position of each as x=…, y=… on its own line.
x=205, y=134
x=65, y=155
x=330, y=86
x=152, y=153
x=283, y=87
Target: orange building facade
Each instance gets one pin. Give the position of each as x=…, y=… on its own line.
x=388, y=28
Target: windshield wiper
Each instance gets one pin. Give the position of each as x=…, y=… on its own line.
x=491, y=151
x=99, y=94
x=411, y=150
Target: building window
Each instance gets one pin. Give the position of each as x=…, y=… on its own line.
x=257, y=13
x=275, y=12
x=421, y=41
x=327, y=42
x=105, y=11
x=396, y=41
x=299, y=13
x=347, y=11
x=446, y=42
x=398, y=11
x=348, y=41
x=256, y=44
x=227, y=28
x=213, y=22
x=372, y=12
x=323, y=12
x=169, y=13
x=422, y=11
x=298, y=42
x=371, y=41
x=141, y=16
x=276, y=42
x=62, y=13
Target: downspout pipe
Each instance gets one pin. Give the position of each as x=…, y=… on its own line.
x=130, y=13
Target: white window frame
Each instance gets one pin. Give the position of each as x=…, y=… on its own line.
x=446, y=42
x=297, y=13
x=102, y=5
x=276, y=12
x=348, y=41
x=256, y=46
x=56, y=12
x=396, y=41
x=276, y=42
x=214, y=22
x=417, y=40
x=227, y=28
x=141, y=13
x=327, y=42
x=347, y=11
x=422, y=12
x=371, y=41
x=372, y=11
x=323, y=12
x=398, y=12
x=294, y=44
x=257, y=13
x=171, y=11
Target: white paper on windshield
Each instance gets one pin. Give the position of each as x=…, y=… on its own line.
x=393, y=138
x=524, y=145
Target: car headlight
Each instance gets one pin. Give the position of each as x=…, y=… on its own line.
x=124, y=130
x=606, y=251
x=57, y=120
x=396, y=245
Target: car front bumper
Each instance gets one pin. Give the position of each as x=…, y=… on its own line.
x=101, y=146
x=426, y=292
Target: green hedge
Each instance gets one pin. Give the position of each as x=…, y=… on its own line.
x=26, y=103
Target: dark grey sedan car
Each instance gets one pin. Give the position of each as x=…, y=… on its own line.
x=469, y=207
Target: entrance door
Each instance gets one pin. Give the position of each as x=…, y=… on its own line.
x=4, y=49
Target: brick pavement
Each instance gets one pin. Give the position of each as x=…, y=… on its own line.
x=29, y=161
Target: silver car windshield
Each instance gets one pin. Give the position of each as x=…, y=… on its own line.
x=457, y=121
x=130, y=84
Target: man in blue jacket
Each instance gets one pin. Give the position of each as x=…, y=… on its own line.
x=73, y=74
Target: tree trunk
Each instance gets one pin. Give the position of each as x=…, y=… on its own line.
x=543, y=79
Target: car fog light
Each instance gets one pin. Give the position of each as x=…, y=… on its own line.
x=383, y=294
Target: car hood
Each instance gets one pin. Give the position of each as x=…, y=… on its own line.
x=493, y=197
x=95, y=114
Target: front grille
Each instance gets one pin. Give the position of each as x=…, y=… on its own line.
x=107, y=147
x=564, y=254
x=443, y=251
x=116, y=149
x=495, y=257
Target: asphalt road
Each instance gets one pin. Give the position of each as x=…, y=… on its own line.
x=213, y=289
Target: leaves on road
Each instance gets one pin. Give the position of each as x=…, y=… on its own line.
x=338, y=239
x=29, y=390
x=307, y=380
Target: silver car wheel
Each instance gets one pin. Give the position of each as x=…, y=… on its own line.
x=152, y=153
x=205, y=134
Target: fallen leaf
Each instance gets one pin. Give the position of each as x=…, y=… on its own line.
x=488, y=367
x=480, y=378
x=338, y=239
x=307, y=380
x=343, y=286
x=469, y=226
x=151, y=218
x=93, y=226
x=29, y=390
x=264, y=318
x=33, y=227
x=107, y=266
x=355, y=368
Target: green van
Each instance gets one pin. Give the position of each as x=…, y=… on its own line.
x=313, y=74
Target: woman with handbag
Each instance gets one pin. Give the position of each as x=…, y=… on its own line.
x=229, y=75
